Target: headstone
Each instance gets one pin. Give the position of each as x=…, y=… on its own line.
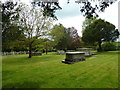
x=60, y=52
x=70, y=50
x=36, y=53
x=72, y=57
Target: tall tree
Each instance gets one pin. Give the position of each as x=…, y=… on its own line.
x=57, y=33
x=87, y=22
x=65, y=41
x=47, y=45
x=10, y=30
x=75, y=37
x=65, y=38
x=35, y=24
x=100, y=31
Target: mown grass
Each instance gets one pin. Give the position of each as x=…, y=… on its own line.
x=47, y=71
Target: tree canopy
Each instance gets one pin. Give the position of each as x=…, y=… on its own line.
x=21, y=24
x=65, y=38
x=48, y=7
x=86, y=8
x=99, y=31
x=87, y=22
x=35, y=25
x=10, y=30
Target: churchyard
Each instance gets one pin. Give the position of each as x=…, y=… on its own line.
x=47, y=71
x=43, y=47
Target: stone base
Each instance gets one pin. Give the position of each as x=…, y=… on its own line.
x=71, y=62
x=66, y=62
x=87, y=55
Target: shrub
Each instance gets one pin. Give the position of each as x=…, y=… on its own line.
x=108, y=47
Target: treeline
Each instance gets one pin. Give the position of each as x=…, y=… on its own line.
x=26, y=29
x=30, y=28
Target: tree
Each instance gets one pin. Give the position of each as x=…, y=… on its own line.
x=42, y=45
x=57, y=33
x=87, y=22
x=75, y=38
x=47, y=45
x=65, y=41
x=90, y=10
x=48, y=7
x=65, y=38
x=100, y=31
x=10, y=31
x=35, y=25
x=86, y=8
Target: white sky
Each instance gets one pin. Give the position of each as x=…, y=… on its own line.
x=71, y=16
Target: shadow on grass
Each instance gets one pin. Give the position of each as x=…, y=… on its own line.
x=5, y=74
x=25, y=84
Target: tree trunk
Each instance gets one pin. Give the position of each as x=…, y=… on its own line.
x=100, y=47
x=46, y=49
x=30, y=50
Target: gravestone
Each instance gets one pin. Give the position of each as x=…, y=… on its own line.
x=36, y=53
x=87, y=51
x=70, y=50
x=72, y=57
x=60, y=52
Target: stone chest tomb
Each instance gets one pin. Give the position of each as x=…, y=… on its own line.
x=87, y=51
x=72, y=57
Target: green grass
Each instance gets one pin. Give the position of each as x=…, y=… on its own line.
x=47, y=71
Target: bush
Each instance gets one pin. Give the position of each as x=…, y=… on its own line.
x=108, y=47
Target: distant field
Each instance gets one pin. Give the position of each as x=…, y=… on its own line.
x=47, y=71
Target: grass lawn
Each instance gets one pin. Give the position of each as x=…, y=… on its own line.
x=47, y=71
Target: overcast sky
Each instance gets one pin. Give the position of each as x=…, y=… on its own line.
x=70, y=15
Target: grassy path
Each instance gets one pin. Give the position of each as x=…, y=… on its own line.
x=47, y=71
